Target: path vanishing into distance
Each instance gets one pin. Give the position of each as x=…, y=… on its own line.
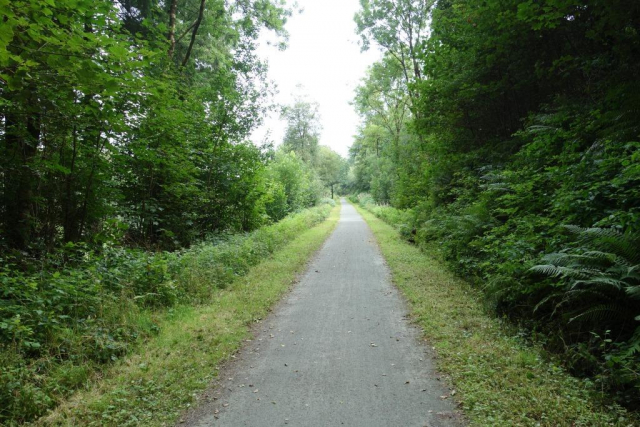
x=338, y=350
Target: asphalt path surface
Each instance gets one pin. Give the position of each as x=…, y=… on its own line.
x=338, y=350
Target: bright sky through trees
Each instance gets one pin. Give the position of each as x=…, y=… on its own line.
x=324, y=57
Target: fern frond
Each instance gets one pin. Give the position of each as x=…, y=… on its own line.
x=576, y=293
x=601, y=281
x=633, y=345
x=622, y=246
x=573, y=272
x=546, y=299
x=610, y=240
x=598, y=313
x=541, y=129
x=558, y=258
x=573, y=228
x=633, y=292
x=633, y=273
x=547, y=270
x=579, y=273
x=600, y=255
x=597, y=232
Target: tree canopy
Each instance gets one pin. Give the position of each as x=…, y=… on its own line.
x=303, y=129
x=133, y=111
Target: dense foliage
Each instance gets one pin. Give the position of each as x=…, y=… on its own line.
x=85, y=309
x=132, y=111
x=496, y=136
x=124, y=130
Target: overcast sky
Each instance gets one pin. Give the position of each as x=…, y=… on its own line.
x=324, y=57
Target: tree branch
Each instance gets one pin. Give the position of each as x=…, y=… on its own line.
x=194, y=33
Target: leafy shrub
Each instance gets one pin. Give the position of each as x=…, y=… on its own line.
x=327, y=201
x=365, y=199
x=401, y=219
x=275, y=201
x=301, y=187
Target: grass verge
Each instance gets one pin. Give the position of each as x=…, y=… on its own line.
x=156, y=384
x=499, y=380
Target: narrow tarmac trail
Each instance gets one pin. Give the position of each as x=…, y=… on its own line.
x=337, y=351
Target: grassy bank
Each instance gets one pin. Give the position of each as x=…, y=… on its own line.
x=499, y=380
x=158, y=382
x=67, y=326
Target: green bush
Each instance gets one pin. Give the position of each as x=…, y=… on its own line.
x=327, y=201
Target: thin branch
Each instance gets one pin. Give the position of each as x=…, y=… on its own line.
x=186, y=31
x=194, y=33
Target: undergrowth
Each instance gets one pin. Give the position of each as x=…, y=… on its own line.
x=576, y=292
x=64, y=321
x=500, y=378
x=159, y=381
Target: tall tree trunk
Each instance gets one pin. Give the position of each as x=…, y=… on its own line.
x=172, y=27
x=70, y=223
x=100, y=144
x=22, y=134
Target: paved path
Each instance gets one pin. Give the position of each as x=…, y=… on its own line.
x=337, y=351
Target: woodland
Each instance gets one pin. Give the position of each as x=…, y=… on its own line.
x=501, y=136
x=504, y=136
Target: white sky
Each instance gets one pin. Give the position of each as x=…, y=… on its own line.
x=324, y=57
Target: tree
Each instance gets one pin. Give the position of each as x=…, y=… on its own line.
x=331, y=167
x=134, y=109
x=400, y=28
x=296, y=178
x=303, y=129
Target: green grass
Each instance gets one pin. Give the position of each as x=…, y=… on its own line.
x=153, y=386
x=499, y=380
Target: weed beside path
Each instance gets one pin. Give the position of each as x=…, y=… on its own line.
x=156, y=384
x=499, y=381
